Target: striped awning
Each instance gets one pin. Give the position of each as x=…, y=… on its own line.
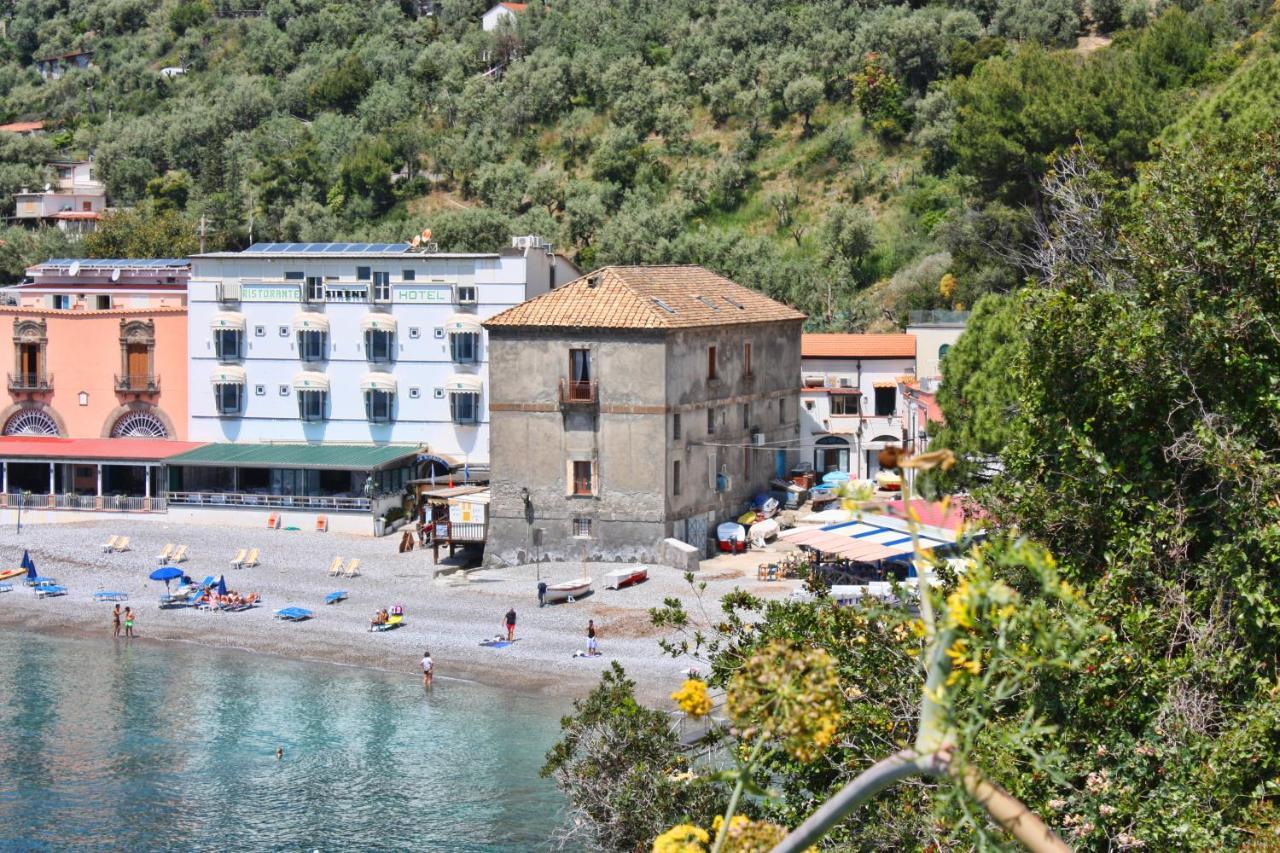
x=378, y=382
x=311, y=380
x=228, y=374
x=463, y=383
x=462, y=324
x=863, y=542
x=378, y=323
x=310, y=321
x=884, y=384
x=232, y=320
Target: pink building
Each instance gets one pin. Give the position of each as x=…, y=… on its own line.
x=97, y=350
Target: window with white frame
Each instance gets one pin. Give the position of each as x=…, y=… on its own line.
x=581, y=527
x=462, y=347
x=465, y=294
x=377, y=344
x=381, y=286
x=315, y=288
x=377, y=405
x=311, y=344
x=311, y=404
x=226, y=344
x=464, y=407
x=227, y=397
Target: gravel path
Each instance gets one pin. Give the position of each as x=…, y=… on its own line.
x=448, y=614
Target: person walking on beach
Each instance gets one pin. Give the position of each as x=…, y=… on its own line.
x=542, y=593
x=511, y=625
x=115, y=621
x=128, y=622
x=428, y=665
x=593, y=647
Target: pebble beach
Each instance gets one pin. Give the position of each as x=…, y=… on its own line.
x=447, y=610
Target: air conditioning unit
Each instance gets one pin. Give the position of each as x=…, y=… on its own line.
x=814, y=380
x=757, y=438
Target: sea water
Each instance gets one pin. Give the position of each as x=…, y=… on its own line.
x=116, y=745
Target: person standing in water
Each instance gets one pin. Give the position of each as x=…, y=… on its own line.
x=511, y=625
x=428, y=665
x=128, y=622
x=115, y=621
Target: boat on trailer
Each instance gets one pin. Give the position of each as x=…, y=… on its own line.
x=568, y=590
x=619, y=578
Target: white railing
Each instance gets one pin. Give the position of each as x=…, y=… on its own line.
x=83, y=503
x=240, y=499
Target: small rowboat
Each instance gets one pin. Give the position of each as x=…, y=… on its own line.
x=568, y=590
x=618, y=578
x=11, y=573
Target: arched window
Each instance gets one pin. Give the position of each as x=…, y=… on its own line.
x=942, y=351
x=831, y=453
x=139, y=424
x=31, y=422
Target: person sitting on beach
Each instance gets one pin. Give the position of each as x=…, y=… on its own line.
x=397, y=610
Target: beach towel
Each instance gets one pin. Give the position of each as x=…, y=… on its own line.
x=495, y=644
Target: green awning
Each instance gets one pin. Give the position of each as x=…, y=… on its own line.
x=360, y=457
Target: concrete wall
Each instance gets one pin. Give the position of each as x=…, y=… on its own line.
x=644, y=379
x=535, y=443
x=930, y=339
x=83, y=354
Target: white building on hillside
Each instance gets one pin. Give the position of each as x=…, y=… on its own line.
x=935, y=333
x=851, y=406
x=500, y=12
x=358, y=343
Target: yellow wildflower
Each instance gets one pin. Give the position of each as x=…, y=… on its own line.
x=751, y=836
x=790, y=693
x=692, y=698
x=682, y=838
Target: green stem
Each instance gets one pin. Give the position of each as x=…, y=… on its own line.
x=737, y=794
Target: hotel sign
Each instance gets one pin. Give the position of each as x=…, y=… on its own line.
x=270, y=293
x=439, y=294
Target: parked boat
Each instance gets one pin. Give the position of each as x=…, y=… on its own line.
x=618, y=578
x=568, y=590
x=765, y=505
x=732, y=537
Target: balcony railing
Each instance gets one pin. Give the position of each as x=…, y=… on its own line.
x=31, y=381
x=573, y=393
x=255, y=500
x=86, y=503
x=138, y=383
x=460, y=531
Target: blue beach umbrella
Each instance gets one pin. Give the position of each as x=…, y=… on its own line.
x=222, y=584
x=166, y=574
x=28, y=564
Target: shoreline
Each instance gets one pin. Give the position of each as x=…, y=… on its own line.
x=448, y=614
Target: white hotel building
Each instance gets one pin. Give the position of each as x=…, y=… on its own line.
x=370, y=344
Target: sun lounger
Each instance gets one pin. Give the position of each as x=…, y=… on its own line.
x=6, y=587
x=165, y=553
x=50, y=590
x=293, y=614
x=251, y=559
x=335, y=568
x=110, y=596
x=353, y=568
x=336, y=596
x=179, y=555
x=39, y=581
x=122, y=544
x=238, y=560
x=322, y=524
x=273, y=521
x=110, y=544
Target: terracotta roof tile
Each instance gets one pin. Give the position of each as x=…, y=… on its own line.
x=858, y=346
x=646, y=297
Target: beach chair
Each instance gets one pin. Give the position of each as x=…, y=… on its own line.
x=353, y=568
x=293, y=614
x=251, y=559
x=165, y=553
x=179, y=554
x=238, y=560
x=322, y=524
x=335, y=596
x=6, y=587
x=110, y=544
x=273, y=521
x=122, y=544
x=110, y=596
x=335, y=568
x=50, y=590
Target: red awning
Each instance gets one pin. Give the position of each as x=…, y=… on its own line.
x=36, y=448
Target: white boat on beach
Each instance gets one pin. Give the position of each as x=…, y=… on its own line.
x=568, y=590
x=618, y=578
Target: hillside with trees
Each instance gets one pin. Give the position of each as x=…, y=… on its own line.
x=843, y=157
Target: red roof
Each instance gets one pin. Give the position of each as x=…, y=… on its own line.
x=21, y=127
x=514, y=7
x=133, y=449
x=858, y=346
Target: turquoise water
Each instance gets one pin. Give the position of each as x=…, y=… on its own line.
x=115, y=746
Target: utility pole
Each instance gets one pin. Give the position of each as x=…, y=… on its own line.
x=202, y=226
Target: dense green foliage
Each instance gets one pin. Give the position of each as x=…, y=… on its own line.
x=902, y=141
